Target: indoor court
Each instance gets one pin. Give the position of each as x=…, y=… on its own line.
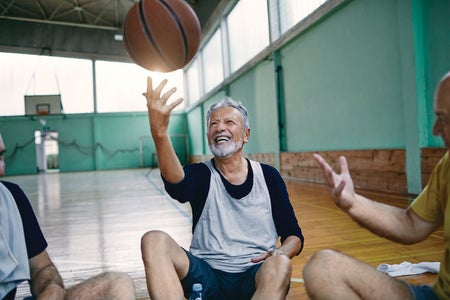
x=93, y=222
x=353, y=78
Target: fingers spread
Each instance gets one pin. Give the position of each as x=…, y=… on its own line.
x=167, y=95
x=343, y=164
x=157, y=91
x=149, y=86
x=322, y=162
x=175, y=103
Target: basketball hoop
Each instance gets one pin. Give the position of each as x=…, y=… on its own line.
x=43, y=109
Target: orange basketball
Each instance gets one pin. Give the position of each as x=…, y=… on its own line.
x=161, y=35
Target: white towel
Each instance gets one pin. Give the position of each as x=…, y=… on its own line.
x=407, y=268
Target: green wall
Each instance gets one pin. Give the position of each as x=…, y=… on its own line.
x=343, y=83
x=362, y=77
x=256, y=90
x=88, y=141
x=435, y=55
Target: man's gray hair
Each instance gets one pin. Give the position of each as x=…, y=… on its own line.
x=229, y=102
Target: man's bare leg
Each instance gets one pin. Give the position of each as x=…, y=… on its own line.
x=273, y=278
x=333, y=275
x=106, y=286
x=165, y=264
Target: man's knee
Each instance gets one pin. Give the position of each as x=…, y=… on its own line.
x=283, y=264
x=154, y=238
x=276, y=267
x=320, y=262
x=118, y=279
x=157, y=244
x=108, y=285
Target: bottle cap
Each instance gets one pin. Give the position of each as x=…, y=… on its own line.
x=197, y=287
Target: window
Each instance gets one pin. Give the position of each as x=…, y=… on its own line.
x=43, y=75
x=193, y=82
x=248, y=31
x=213, y=62
x=293, y=11
x=120, y=86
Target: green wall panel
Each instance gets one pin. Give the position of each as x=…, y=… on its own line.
x=196, y=131
x=256, y=90
x=18, y=137
x=76, y=143
x=343, y=81
x=89, y=141
x=119, y=140
x=436, y=39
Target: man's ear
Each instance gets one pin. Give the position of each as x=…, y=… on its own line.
x=246, y=135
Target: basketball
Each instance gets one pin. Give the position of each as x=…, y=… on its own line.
x=161, y=35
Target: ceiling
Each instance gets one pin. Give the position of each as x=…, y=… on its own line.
x=89, y=13
x=82, y=28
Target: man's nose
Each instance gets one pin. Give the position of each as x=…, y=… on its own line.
x=436, y=128
x=221, y=126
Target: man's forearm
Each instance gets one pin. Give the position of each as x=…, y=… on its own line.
x=169, y=165
x=47, y=282
x=291, y=246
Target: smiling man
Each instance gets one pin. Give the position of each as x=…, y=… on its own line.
x=240, y=209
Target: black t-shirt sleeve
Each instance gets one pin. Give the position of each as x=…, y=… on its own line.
x=283, y=213
x=193, y=188
x=34, y=237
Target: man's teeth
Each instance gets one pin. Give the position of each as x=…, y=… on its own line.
x=222, y=139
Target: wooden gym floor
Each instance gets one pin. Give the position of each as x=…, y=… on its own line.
x=93, y=222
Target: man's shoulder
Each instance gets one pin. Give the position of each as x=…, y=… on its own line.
x=443, y=165
x=11, y=186
x=200, y=166
x=197, y=171
x=269, y=170
x=445, y=159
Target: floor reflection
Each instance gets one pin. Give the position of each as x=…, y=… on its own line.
x=93, y=221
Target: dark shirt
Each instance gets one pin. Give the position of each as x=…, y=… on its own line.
x=194, y=188
x=34, y=238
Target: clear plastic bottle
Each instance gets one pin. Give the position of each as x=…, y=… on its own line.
x=197, y=290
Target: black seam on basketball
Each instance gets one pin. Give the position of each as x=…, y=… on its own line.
x=180, y=27
x=150, y=37
x=125, y=42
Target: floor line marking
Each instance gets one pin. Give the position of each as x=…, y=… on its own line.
x=296, y=279
x=169, y=199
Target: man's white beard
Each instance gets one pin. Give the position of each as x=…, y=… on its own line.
x=227, y=149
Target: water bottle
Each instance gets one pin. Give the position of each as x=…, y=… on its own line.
x=196, y=292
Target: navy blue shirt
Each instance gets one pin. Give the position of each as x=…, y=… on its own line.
x=34, y=237
x=194, y=188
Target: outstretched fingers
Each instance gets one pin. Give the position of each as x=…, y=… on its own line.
x=157, y=92
x=328, y=173
x=343, y=165
x=166, y=97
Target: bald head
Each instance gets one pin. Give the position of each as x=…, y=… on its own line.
x=443, y=90
x=442, y=110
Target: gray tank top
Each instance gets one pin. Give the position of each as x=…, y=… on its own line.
x=230, y=232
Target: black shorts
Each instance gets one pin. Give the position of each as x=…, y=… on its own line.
x=219, y=284
x=422, y=292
